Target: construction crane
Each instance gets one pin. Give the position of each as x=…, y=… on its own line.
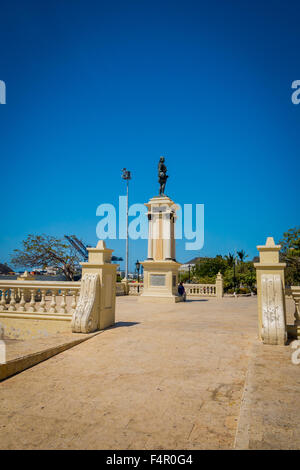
x=78, y=245
x=82, y=249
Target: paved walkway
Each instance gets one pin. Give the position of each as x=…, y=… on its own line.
x=165, y=377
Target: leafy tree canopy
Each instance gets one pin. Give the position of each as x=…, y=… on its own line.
x=45, y=250
x=235, y=276
x=290, y=253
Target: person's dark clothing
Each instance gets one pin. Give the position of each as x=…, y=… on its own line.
x=181, y=290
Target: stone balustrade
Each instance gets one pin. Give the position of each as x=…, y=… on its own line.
x=135, y=288
x=38, y=298
x=120, y=288
x=192, y=290
x=203, y=290
x=294, y=330
x=34, y=309
x=295, y=291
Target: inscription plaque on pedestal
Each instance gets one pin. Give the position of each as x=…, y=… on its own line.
x=157, y=279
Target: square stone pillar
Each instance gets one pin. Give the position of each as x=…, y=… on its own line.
x=219, y=286
x=161, y=268
x=271, y=294
x=97, y=302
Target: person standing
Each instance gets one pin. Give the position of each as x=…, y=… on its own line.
x=181, y=291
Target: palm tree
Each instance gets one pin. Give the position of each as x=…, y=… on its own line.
x=230, y=258
x=242, y=255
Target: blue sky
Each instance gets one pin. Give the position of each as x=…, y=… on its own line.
x=95, y=86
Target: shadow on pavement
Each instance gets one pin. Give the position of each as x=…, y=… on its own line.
x=125, y=323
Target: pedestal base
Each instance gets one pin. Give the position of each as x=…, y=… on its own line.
x=160, y=282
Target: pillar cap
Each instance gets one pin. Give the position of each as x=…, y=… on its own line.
x=269, y=246
x=100, y=248
x=160, y=263
x=269, y=265
x=161, y=201
x=99, y=255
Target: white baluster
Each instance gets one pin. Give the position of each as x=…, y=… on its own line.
x=53, y=302
x=12, y=304
x=63, y=305
x=17, y=296
x=73, y=304
x=22, y=302
x=32, y=301
x=42, y=306
x=3, y=299
x=77, y=293
x=297, y=311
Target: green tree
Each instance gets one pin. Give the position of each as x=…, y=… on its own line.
x=290, y=253
x=230, y=258
x=242, y=255
x=229, y=279
x=208, y=268
x=248, y=277
x=45, y=250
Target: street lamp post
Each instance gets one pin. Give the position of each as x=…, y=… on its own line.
x=126, y=176
x=234, y=273
x=138, y=265
x=189, y=273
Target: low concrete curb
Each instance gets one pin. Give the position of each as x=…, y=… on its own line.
x=241, y=441
x=269, y=416
x=29, y=353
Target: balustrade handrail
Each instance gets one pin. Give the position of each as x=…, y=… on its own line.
x=135, y=288
x=29, y=298
x=41, y=284
x=191, y=289
x=207, y=290
x=199, y=285
x=295, y=289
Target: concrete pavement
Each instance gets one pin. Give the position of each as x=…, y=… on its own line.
x=165, y=377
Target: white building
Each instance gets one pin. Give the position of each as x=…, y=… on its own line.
x=50, y=270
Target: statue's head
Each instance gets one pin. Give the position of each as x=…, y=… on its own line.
x=162, y=159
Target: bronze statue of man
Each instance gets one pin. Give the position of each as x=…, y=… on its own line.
x=162, y=176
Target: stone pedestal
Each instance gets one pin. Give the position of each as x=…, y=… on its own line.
x=96, y=306
x=270, y=294
x=161, y=267
x=219, y=286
